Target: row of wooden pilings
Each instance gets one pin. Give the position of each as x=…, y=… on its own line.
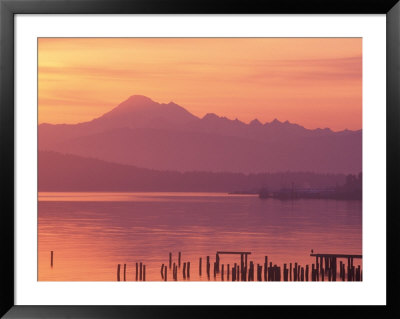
x=140, y=273
x=324, y=269
x=327, y=266
x=267, y=271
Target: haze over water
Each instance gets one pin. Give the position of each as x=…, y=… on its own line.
x=90, y=233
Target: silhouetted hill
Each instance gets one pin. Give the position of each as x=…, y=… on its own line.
x=148, y=134
x=64, y=172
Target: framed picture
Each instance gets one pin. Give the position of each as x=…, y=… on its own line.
x=167, y=154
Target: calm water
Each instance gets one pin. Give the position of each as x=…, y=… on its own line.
x=90, y=233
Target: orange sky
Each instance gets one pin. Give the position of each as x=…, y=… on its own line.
x=315, y=82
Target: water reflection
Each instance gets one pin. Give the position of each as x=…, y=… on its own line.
x=90, y=233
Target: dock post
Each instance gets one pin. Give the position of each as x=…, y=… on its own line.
x=284, y=272
x=279, y=274
x=329, y=274
x=208, y=266
x=222, y=272
x=124, y=272
x=179, y=259
x=144, y=272
x=51, y=259
x=200, y=266
x=265, y=268
x=215, y=269
x=165, y=273
x=241, y=263
x=136, y=271
x=227, y=272
x=334, y=266
x=312, y=273
x=184, y=271
x=141, y=272
x=118, y=272
x=307, y=270
x=170, y=260
x=162, y=271
x=188, y=269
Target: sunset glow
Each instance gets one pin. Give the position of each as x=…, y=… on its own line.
x=315, y=82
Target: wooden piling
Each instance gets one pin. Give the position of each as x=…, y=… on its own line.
x=215, y=269
x=334, y=265
x=170, y=260
x=184, y=271
x=298, y=273
x=165, y=273
x=321, y=265
x=348, y=271
x=284, y=272
x=344, y=272
x=144, y=272
x=51, y=259
x=118, y=272
x=188, y=269
x=295, y=272
x=302, y=273
x=227, y=272
x=251, y=271
x=200, y=266
x=222, y=272
x=312, y=272
x=208, y=266
x=136, y=271
x=124, y=272
x=265, y=268
x=179, y=259
x=141, y=272
x=234, y=272
x=307, y=270
x=290, y=273
x=162, y=271
x=279, y=274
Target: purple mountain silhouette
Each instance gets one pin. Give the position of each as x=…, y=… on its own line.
x=148, y=134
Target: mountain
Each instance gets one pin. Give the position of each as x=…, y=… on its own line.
x=148, y=134
x=65, y=172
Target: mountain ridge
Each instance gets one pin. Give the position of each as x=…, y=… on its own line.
x=163, y=136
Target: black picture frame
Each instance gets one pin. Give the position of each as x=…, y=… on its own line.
x=9, y=8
